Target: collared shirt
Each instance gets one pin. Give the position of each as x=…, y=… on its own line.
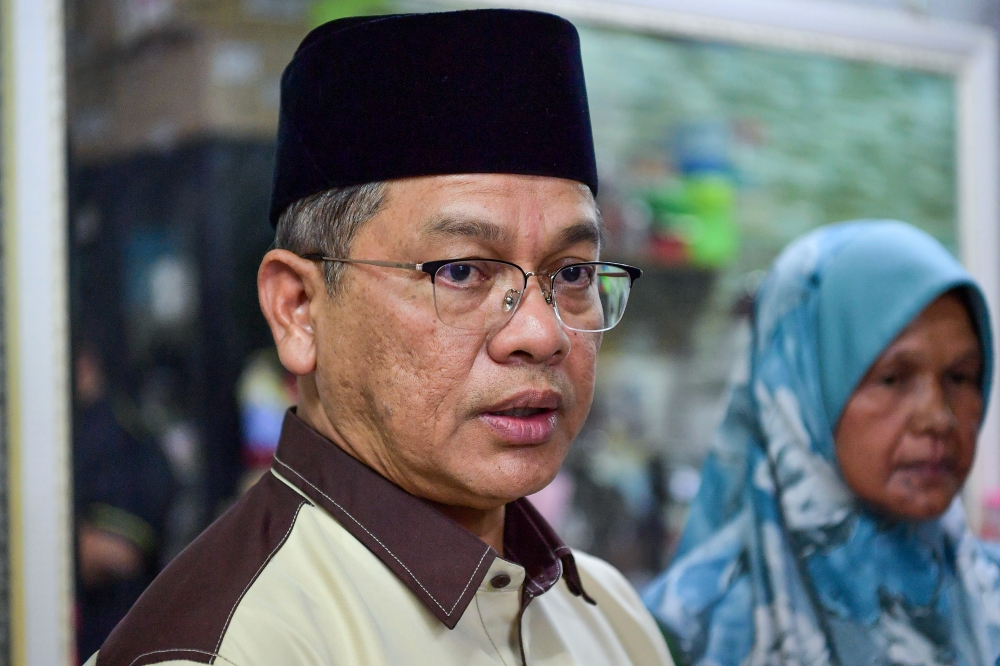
x=324, y=562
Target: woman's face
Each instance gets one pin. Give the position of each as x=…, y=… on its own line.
x=907, y=436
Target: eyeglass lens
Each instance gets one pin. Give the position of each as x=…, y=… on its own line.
x=482, y=294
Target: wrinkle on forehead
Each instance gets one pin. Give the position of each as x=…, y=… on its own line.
x=502, y=210
x=493, y=183
x=451, y=226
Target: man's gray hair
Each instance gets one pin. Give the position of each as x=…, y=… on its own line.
x=327, y=223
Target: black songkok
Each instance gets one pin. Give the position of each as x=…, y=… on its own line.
x=486, y=91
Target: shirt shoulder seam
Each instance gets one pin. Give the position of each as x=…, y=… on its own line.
x=253, y=579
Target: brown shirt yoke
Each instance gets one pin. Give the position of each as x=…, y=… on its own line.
x=325, y=562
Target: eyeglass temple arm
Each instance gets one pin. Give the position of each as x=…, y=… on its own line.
x=368, y=262
x=632, y=271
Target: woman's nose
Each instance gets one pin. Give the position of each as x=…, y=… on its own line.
x=933, y=411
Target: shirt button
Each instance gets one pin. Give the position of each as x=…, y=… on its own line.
x=500, y=581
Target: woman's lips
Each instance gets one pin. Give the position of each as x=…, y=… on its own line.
x=522, y=426
x=928, y=471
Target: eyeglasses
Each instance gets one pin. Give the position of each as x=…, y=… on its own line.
x=483, y=294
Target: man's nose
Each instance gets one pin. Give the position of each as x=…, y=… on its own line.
x=534, y=333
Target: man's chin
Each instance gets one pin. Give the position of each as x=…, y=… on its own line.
x=530, y=487
x=489, y=494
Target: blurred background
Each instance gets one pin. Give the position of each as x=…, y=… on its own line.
x=712, y=156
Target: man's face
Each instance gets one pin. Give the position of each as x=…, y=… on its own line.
x=465, y=418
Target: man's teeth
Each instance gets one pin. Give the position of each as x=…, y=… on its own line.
x=521, y=411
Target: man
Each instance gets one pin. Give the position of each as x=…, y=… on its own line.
x=436, y=293
x=122, y=491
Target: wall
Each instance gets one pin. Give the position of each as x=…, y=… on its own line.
x=986, y=12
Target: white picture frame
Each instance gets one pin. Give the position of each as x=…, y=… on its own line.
x=36, y=413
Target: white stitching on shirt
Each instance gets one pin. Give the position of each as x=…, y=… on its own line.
x=254, y=578
x=214, y=655
x=415, y=579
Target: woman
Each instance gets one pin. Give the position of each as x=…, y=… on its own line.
x=827, y=529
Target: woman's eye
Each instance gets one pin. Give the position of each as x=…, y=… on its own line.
x=893, y=378
x=889, y=380
x=893, y=375
x=965, y=378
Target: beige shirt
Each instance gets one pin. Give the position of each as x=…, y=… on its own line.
x=324, y=562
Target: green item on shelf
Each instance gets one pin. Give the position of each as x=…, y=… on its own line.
x=323, y=11
x=714, y=238
x=698, y=209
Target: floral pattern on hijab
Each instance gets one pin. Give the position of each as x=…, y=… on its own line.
x=778, y=563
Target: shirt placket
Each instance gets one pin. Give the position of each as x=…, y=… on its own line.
x=498, y=602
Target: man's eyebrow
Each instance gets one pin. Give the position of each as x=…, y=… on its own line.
x=468, y=227
x=589, y=231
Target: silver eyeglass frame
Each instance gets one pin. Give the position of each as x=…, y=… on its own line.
x=432, y=267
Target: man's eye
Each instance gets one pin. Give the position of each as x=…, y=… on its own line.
x=576, y=275
x=459, y=273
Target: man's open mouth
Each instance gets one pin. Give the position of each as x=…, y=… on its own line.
x=526, y=418
x=522, y=412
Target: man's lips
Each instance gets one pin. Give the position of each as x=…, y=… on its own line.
x=543, y=400
x=525, y=418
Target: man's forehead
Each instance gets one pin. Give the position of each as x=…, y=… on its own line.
x=499, y=183
x=494, y=191
x=565, y=233
x=500, y=209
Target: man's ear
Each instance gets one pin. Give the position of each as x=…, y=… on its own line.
x=286, y=286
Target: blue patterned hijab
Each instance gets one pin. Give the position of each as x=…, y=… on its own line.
x=779, y=564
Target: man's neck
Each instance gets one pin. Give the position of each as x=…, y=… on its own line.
x=488, y=524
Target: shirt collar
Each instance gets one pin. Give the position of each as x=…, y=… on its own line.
x=441, y=562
